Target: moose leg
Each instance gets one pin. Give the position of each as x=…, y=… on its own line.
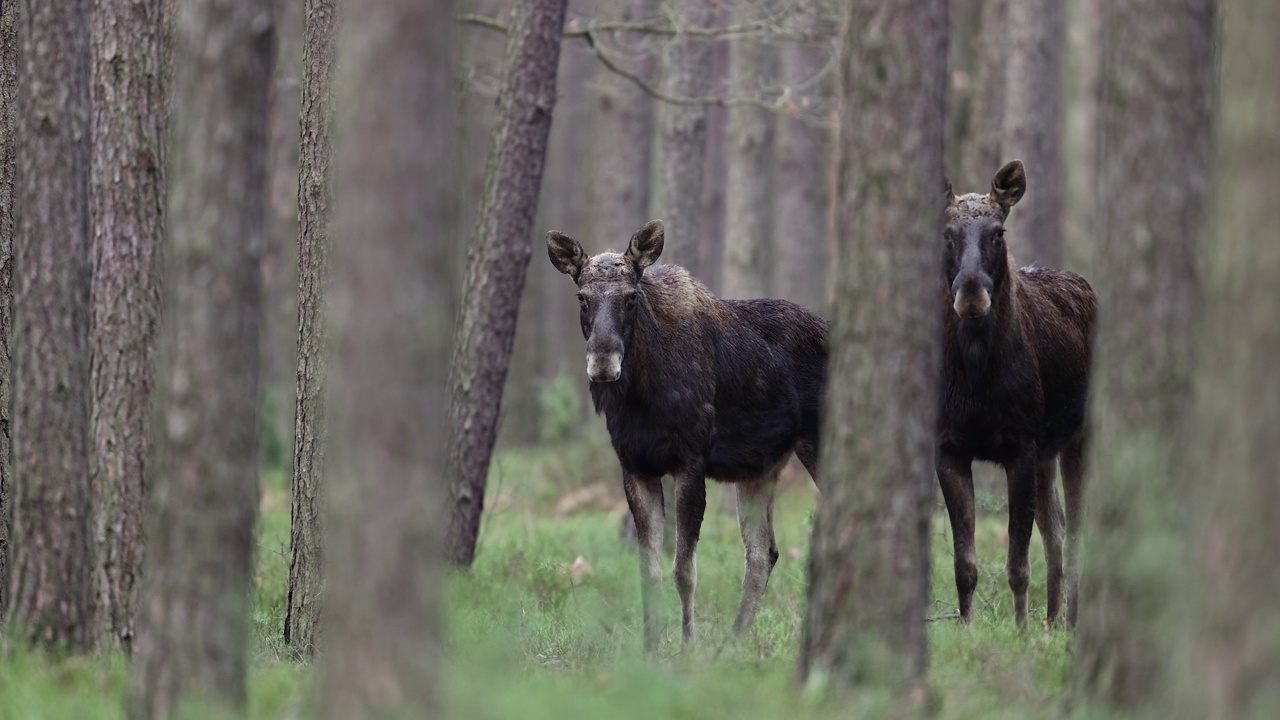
x=1050, y=520
x=644, y=496
x=955, y=475
x=755, y=519
x=807, y=451
x=1073, y=489
x=1020, y=476
x=691, y=503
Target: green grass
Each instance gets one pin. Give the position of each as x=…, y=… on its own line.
x=529, y=639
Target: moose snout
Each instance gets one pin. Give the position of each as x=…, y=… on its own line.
x=604, y=367
x=972, y=299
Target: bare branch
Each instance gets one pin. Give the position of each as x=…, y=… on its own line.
x=758, y=28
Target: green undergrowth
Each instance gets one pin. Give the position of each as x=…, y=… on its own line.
x=547, y=624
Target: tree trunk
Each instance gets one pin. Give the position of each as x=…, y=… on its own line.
x=682, y=140
x=1228, y=667
x=392, y=319
x=306, y=580
x=1079, y=143
x=127, y=197
x=984, y=151
x=1158, y=63
x=869, y=562
x=8, y=171
x=52, y=583
x=203, y=499
x=749, y=172
x=1033, y=125
x=496, y=263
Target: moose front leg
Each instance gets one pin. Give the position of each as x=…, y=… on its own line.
x=644, y=496
x=691, y=503
x=755, y=518
x=955, y=475
x=1020, y=475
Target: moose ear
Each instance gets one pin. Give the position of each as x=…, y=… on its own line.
x=1009, y=184
x=566, y=254
x=646, y=246
x=950, y=194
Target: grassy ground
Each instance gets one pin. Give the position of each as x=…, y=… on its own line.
x=547, y=624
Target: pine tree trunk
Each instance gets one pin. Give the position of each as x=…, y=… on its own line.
x=869, y=562
x=1033, y=125
x=392, y=322
x=984, y=150
x=306, y=579
x=52, y=562
x=8, y=172
x=1158, y=62
x=496, y=263
x=127, y=197
x=204, y=492
x=749, y=171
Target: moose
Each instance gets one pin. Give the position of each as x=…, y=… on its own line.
x=694, y=386
x=1015, y=381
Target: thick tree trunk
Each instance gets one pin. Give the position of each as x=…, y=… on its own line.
x=392, y=319
x=869, y=562
x=983, y=152
x=496, y=263
x=678, y=184
x=130, y=113
x=203, y=499
x=1033, y=125
x=749, y=172
x=1158, y=63
x=52, y=564
x=8, y=172
x=306, y=579
x=1080, y=121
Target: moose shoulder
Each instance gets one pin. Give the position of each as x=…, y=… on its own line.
x=694, y=386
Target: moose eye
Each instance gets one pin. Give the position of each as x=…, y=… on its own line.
x=582, y=300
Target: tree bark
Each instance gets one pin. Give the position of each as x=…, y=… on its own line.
x=52, y=583
x=749, y=171
x=306, y=579
x=984, y=151
x=392, y=319
x=496, y=263
x=1158, y=63
x=869, y=561
x=678, y=188
x=1033, y=126
x=8, y=172
x=130, y=114
x=204, y=492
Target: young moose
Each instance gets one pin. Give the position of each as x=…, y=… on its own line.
x=695, y=387
x=1015, y=378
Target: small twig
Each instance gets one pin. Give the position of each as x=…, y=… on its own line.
x=657, y=26
x=946, y=616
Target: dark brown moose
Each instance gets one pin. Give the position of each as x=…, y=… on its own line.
x=694, y=386
x=1015, y=380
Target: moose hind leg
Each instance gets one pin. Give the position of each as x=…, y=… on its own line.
x=644, y=496
x=1073, y=482
x=755, y=519
x=691, y=504
x=1020, y=476
x=1051, y=521
x=955, y=475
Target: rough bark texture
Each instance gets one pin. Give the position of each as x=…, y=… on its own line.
x=392, y=321
x=983, y=152
x=496, y=263
x=203, y=493
x=127, y=206
x=8, y=168
x=869, y=562
x=678, y=185
x=1158, y=70
x=305, y=602
x=52, y=562
x=749, y=171
x=1032, y=56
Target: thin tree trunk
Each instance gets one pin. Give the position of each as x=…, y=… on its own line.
x=749, y=172
x=203, y=498
x=392, y=318
x=496, y=263
x=53, y=560
x=869, y=562
x=984, y=151
x=1158, y=70
x=8, y=171
x=306, y=579
x=1033, y=125
x=127, y=196
x=1080, y=123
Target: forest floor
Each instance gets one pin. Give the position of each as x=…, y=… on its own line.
x=547, y=625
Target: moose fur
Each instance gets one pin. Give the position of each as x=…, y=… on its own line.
x=693, y=386
x=1015, y=381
